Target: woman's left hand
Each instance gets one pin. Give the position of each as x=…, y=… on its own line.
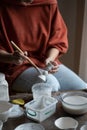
x=52, y=66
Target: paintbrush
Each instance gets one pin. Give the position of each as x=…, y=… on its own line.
x=27, y=58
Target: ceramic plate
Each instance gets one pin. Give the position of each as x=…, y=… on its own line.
x=30, y=126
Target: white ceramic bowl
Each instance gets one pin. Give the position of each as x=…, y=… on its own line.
x=65, y=123
x=74, y=102
x=84, y=127
x=30, y=126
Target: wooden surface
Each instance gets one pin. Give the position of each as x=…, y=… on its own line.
x=48, y=124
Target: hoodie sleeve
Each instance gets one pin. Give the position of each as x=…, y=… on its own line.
x=58, y=33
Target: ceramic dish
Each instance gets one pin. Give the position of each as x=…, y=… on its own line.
x=84, y=127
x=74, y=102
x=66, y=123
x=30, y=126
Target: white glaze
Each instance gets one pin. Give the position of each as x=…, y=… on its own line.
x=75, y=104
x=75, y=100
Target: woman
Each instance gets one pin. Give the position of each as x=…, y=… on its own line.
x=36, y=26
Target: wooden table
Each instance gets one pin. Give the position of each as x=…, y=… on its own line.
x=48, y=123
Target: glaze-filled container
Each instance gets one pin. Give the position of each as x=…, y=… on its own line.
x=74, y=102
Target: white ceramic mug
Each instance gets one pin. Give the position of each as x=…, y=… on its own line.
x=66, y=123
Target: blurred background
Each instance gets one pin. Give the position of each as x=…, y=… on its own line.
x=74, y=13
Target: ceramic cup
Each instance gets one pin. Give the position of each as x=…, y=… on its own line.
x=66, y=123
x=1, y=125
x=84, y=127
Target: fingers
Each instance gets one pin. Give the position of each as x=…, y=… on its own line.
x=18, y=58
x=26, y=53
x=19, y=62
x=47, y=61
x=52, y=67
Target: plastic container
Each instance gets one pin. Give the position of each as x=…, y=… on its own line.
x=1, y=125
x=4, y=93
x=4, y=110
x=41, y=109
x=40, y=89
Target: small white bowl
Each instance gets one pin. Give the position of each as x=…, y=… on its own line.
x=65, y=123
x=84, y=127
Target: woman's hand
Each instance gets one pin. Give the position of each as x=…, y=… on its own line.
x=52, y=66
x=16, y=58
x=50, y=62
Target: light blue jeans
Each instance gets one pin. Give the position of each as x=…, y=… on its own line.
x=67, y=79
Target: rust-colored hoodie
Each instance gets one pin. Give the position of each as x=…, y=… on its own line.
x=35, y=27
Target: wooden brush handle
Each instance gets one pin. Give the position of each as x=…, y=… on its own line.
x=28, y=59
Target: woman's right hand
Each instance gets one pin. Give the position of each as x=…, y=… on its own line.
x=12, y=58
x=18, y=58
